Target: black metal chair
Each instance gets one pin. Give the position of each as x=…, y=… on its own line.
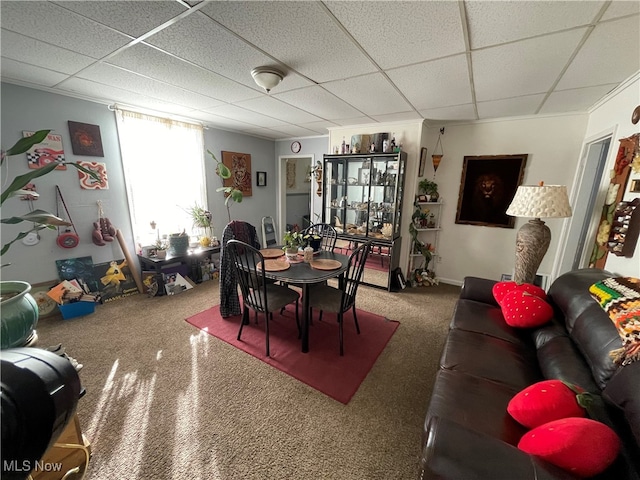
x=257, y=293
x=326, y=232
x=341, y=300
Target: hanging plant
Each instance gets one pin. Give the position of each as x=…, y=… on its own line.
x=232, y=194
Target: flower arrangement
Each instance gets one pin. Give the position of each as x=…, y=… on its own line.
x=293, y=240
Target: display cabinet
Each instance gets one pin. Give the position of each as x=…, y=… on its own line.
x=363, y=201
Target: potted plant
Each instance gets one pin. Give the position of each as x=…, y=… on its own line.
x=232, y=193
x=202, y=219
x=161, y=248
x=430, y=189
x=18, y=308
x=313, y=240
x=291, y=241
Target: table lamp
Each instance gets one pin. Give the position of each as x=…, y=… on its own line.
x=532, y=241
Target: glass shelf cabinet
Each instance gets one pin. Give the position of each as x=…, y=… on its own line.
x=363, y=195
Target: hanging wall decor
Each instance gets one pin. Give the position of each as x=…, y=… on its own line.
x=487, y=187
x=48, y=151
x=437, y=157
x=240, y=166
x=88, y=182
x=85, y=139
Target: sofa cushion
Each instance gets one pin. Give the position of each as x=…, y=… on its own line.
x=559, y=358
x=479, y=317
x=491, y=358
x=580, y=445
x=544, y=402
x=522, y=309
x=623, y=391
x=477, y=403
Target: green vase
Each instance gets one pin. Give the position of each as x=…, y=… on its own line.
x=18, y=314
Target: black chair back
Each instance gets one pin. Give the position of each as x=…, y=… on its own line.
x=327, y=232
x=249, y=266
x=353, y=275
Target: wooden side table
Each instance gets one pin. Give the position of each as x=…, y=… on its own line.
x=66, y=459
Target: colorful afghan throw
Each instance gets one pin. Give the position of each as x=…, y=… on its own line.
x=620, y=298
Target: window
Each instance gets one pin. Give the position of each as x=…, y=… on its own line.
x=163, y=164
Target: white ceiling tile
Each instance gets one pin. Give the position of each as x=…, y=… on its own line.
x=294, y=32
x=149, y=61
x=434, y=84
x=456, y=112
x=110, y=94
x=294, y=131
x=268, y=105
x=610, y=55
x=34, y=52
x=576, y=100
x=621, y=8
x=522, y=68
x=510, y=107
x=400, y=32
x=214, y=48
x=265, y=132
x=321, y=127
x=52, y=24
x=318, y=102
x=492, y=23
x=221, y=122
x=243, y=115
x=117, y=77
x=371, y=94
x=131, y=17
x=397, y=117
x=12, y=70
x=353, y=121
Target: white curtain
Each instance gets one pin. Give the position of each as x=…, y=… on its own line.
x=163, y=164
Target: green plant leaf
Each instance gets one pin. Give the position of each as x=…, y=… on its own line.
x=38, y=216
x=26, y=143
x=223, y=171
x=237, y=196
x=22, y=180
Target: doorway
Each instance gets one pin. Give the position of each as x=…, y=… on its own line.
x=295, y=199
x=579, y=237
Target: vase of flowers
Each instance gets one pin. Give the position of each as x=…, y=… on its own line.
x=291, y=242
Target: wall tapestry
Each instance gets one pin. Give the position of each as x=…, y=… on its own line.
x=50, y=150
x=88, y=182
x=240, y=166
x=487, y=188
x=85, y=139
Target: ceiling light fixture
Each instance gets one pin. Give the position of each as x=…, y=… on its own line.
x=267, y=77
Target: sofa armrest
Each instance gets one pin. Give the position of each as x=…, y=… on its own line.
x=455, y=452
x=478, y=289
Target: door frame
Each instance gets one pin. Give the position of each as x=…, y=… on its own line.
x=581, y=191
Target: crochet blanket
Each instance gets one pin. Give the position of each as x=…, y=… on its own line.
x=620, y=298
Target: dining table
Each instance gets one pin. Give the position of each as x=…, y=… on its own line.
x=324, y=266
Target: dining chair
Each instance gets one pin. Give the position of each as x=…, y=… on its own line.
x=327, y=232
x=258, y=294
x=342, y=299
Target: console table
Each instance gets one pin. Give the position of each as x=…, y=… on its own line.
x=192, y=258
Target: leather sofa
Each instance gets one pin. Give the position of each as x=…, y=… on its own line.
x=468, y=433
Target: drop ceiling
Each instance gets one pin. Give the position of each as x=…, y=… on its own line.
x=345, y=62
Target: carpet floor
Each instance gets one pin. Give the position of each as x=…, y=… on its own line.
x=322, y=368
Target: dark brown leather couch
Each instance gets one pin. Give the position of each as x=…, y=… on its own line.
x=468, y=433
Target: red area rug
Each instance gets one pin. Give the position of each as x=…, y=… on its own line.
x=322, y=368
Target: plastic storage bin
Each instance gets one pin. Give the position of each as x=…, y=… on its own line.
x=77, y=309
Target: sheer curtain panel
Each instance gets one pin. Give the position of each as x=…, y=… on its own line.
x=163, y=164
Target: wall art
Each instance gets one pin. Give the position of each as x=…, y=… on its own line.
x=46, y=152
x=261, y=179
x=423, y=161
x=88, y=182
x=488, y=185
x=85, y=139
x=240, y=166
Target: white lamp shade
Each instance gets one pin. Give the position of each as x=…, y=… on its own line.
x=546, y=201
x=267, y=78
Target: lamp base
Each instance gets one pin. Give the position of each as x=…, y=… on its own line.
x=532, y=243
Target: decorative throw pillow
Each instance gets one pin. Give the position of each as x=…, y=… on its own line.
x=544, y=402
x=620, y=298
x=582, y=446
x=501, y=289
x=525, y=310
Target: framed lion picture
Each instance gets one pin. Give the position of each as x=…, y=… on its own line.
x=488, y=185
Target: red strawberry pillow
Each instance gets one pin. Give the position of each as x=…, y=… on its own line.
x=544, y=402
x=524, y=310
x=581, y=446
x=501, y=289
